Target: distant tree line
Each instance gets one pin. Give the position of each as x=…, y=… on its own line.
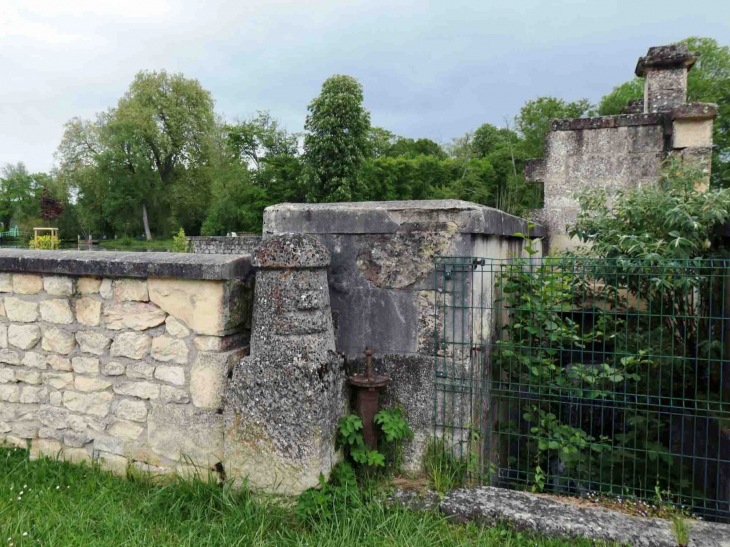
x=162, y=159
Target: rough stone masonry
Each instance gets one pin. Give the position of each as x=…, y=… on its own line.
x=285, y=399
x=624, y=151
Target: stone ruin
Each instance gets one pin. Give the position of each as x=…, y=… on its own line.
x=624, y=151
x=232, y=359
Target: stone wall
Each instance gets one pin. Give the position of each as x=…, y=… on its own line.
x=118, y=357
x=625, y=151
x=226, y=245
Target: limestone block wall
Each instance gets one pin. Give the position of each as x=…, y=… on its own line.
x=120, y=361
x=610, y=152
x=227, y=245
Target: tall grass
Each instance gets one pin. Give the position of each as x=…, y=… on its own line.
x=55, y=503
x=445, y=470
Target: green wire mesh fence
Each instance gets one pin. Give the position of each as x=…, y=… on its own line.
x=573, y=375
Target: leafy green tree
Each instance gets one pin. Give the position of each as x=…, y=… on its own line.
x=164, y=124
x=418, y=147
x=336, y=143
x=616, y=101
x=19, y=195
x=146, y=159
x=381, y=142
x=256, y=164
x=533, y=121
x=487, y=138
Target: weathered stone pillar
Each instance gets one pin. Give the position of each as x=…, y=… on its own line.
x=665, y=69
x=285, y=399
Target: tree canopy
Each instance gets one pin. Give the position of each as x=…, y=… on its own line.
x=162, y=159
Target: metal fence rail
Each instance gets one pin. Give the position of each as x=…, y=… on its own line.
x=576, y=375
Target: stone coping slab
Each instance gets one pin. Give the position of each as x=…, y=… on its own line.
x=607, y=122
x=126, y=264
x=387, y=217
x=547, y=516
x=695, y=111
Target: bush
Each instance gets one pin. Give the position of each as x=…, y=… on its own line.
x=44, y=243
x=180, y=242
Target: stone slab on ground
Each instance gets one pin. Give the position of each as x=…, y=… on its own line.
x=547, y=516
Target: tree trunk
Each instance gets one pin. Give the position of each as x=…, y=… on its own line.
x=147, y=232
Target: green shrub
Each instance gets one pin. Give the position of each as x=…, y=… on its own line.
x=393, y=429
x=180, y=242
x=44, y=243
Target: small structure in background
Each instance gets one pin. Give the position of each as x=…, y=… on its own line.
x=13, y=232
x=44, y=242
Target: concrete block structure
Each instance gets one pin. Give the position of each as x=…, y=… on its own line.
x=382, y=283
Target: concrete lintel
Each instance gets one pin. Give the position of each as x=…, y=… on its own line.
x=387, y=217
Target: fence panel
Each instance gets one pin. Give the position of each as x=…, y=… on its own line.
x=573, y=375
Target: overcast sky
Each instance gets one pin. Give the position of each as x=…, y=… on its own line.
x=429, y=68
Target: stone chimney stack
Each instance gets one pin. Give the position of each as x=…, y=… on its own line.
x=665, y=69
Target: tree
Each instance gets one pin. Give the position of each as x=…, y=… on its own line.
x=419, y=147
x=19, y=192
x=146, y=159
x=488, y=138
x=616, y=101
x=51, y=207
x=380, y=142
x=534, y=119
x=256, y=164
x=163, y=126
x=336, y=143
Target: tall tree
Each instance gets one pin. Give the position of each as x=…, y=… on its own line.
x=257, y=164
x=148, y=158
x=162, y=127
x=19, y=191
x=336, y=142
x=533, y=121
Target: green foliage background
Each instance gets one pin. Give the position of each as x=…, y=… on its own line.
x=161, y=159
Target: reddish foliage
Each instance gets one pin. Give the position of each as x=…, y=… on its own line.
x=51, y=208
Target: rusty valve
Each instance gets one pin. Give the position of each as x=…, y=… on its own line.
x=367, y=399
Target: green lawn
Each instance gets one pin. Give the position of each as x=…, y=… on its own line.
x=130, y=244
x=54, y=503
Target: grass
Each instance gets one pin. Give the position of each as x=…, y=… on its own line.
x=445, y=471
x=56, y=503
x=131, y=244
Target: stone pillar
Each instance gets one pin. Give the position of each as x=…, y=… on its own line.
x=285, y=399
x=692, y=136
x=665, y=69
